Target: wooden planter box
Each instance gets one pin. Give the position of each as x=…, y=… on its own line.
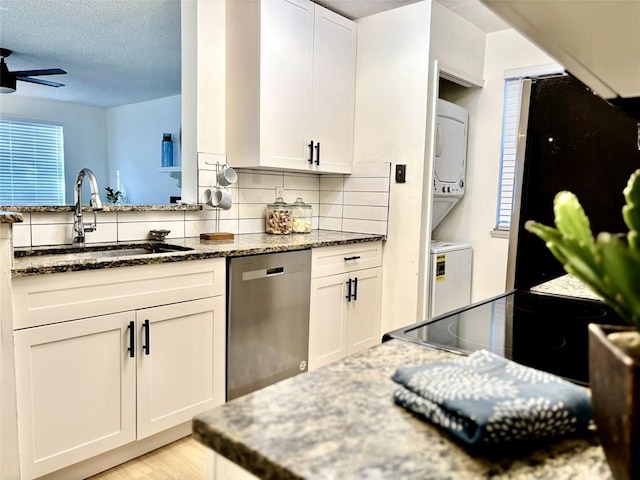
x=614, y=378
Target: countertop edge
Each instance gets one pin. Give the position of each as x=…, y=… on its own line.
x=205, y=249
x=10, y=217
x=106, y=208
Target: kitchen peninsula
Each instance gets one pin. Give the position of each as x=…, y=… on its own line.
x=340, y=421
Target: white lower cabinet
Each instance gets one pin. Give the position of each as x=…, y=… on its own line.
x=87, y=386
x=345, y=308
x=76, y=389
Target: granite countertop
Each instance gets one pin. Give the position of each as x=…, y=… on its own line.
x=566, y=285
x=10, y=217
x=106, y=208
x=67, y=258
x=340, y=421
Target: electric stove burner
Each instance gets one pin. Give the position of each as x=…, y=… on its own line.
x=547, y=332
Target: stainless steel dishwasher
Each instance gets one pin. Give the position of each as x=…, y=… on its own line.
x=267, y=319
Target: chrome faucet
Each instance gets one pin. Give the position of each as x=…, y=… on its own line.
x=95, y=203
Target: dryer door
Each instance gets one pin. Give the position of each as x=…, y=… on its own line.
x=450, y=156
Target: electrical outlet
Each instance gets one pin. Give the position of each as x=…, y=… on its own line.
x=280, y=192
x=401, y=173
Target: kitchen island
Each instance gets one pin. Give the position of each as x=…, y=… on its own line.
x=340, y=422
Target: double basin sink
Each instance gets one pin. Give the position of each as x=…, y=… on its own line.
x=103, y=251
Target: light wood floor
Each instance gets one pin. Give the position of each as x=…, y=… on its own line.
x=183, y=459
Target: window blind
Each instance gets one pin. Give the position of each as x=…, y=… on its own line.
x=510, y=121
x=31, y=163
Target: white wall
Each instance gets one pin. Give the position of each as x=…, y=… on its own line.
x=85, y=132
x=456, y=42
x=391, y=111
x=135, y=146
x=474, y=217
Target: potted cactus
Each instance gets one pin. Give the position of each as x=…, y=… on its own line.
x=610, y=266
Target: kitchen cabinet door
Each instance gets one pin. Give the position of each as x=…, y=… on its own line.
x=290, y=82
x=75, y=390
x=286, y=63
x=328, y=320
x=181, y=357
x=334, y=67
x=364, y=310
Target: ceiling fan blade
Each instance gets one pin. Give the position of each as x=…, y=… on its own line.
x=35, y=73
x=40, y=81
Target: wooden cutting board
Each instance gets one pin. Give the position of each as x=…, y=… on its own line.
x=216, y=236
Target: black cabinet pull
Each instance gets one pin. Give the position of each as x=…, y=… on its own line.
x=348, y=297
x=355, y=289
x=132, y=339
x=146, y=347
x=318, y=153
x=311, y=152
x=355, y=257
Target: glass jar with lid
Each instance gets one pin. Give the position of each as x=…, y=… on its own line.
x=301, y=216
x=279, y=219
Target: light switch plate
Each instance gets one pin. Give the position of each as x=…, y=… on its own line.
x=401, y=173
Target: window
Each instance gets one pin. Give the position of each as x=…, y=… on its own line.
x=31, y=163
x=510, y=119
x=510, y=125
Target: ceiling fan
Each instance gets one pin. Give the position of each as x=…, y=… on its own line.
x=8, y=79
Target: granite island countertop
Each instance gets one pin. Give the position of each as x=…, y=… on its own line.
x=566, y=285
x=28, y=261
x=340, y=421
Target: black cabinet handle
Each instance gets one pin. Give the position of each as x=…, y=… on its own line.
x=145, y=346
x=355, y=257
x=132, y=339
x=311, y=152
x=348, y=297
x=355, y=289
x=318, y=153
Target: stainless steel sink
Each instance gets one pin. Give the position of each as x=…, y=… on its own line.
x=103, y=251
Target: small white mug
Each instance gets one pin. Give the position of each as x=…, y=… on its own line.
x=221, y=198
x=227, y=176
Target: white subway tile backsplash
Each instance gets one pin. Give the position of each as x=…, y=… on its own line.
x=376, y=199
x=329, y=210
x=332, y=197
x=306, y=182
x=357, y=203
x=328, y=223
x=368, y=226
x=151, y=217
x=130, y=231
x=329, y=183
x=207, y=178
x=106, y=232
x=366, y=184
x=52, y=234
x=251, y=225
x=256, y=195
x=253, y=179
x=21, y=235
x=252, y=210
x=193, y=228
x=42, y=218
x=361, y=212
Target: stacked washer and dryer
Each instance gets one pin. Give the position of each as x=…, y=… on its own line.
x=450, y=262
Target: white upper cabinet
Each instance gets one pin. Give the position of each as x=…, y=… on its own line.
x=290, y=86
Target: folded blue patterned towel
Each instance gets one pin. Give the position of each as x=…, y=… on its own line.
x=484, y=398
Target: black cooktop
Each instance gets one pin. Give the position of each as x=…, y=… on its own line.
x=547, y=332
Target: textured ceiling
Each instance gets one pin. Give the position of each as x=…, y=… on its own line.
x=115, y=52
x=118, y=52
